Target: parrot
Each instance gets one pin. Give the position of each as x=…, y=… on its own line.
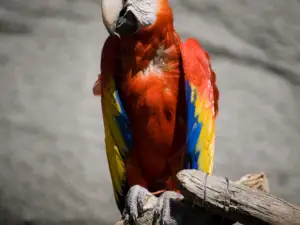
x=159, y=100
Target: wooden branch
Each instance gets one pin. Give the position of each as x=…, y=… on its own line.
x=185, y=213
x=235, y=201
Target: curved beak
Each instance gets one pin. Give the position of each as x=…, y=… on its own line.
x=117, y=19
x=110, y=13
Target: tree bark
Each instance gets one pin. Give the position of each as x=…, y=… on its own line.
x=193, y=210
x=235, y=201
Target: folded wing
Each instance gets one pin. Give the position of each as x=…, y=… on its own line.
x=202, y=97
x=116, y=124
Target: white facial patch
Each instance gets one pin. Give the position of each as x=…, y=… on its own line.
x=144, y=11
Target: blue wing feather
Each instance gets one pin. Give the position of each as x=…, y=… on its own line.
x=194, y=129
x=202, y=106
x=118, y=138
x=123, y=122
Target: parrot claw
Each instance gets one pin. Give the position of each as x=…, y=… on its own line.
x=163, y=207
x=134, y=202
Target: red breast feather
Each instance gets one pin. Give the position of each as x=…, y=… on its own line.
x=151, y=90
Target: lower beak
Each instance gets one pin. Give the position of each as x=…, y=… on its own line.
x=127, y=23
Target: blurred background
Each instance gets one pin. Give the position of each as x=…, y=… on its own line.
x=53, y=167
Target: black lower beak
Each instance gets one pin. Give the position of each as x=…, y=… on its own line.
x=126, y=23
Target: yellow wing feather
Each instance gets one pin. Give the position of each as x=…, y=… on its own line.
x=115, y=130
x=206, y=140
x=202, y=105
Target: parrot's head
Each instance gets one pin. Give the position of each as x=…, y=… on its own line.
x=123, y=17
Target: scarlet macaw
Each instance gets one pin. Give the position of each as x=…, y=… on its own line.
x=159, y=102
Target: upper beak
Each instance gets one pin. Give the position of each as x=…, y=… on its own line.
x=110, y=13
x=117, y=19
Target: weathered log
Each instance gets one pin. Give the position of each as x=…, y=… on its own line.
x=186, y=213
x=235, y=201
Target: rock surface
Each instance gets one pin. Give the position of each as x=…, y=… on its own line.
x=52, y=159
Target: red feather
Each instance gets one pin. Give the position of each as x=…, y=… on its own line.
x=149, y=76
x=198, y=71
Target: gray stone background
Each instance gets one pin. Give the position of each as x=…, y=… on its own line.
x=52, y=159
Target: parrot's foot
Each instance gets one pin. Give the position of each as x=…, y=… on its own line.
x=135, y=201
x=163, y=207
